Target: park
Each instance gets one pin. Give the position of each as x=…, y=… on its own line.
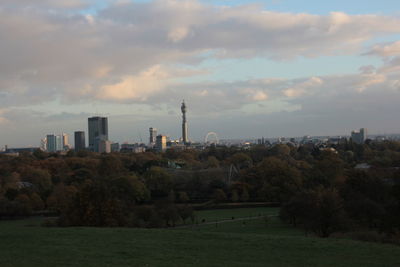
x=249, y=242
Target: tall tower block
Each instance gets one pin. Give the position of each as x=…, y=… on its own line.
x=184, y=124
x=153, y=135
x=98, y=129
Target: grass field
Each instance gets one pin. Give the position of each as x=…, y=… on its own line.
x=214, y=215
x=253, y=243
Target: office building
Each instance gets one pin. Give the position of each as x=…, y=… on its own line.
x=54, y=143
x=51, y=143
x=99, y=143
x=161, y=142
x=104, y=146
x=359, y=137
x=115, y=147
x=65, y=141
x=133, y=148
x=59, y=143
x=79, y=140
x=153, y=135
x=98, y=126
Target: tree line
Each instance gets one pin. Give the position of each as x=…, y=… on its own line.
x=319, y=188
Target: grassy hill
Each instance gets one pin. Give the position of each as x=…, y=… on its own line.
x=236, y=243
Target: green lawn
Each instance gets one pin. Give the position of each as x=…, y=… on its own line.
x=223, y=214
x=254, y=243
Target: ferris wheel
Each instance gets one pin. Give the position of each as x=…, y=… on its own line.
x=211, y=138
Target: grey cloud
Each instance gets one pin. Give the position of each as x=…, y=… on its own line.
x=385, y=49
x=49, y=52
x=63, y=4
x=72, y=56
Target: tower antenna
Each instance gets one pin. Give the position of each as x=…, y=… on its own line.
x=184, y=123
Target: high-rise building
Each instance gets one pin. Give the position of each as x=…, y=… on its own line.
x=51, y=143
x=359, y=137
x=59, y=143
x=184, y=124
x=161, y=142
x=65, y=141
x=54, y=143
x=98, y=126
x=79, y=140
x=153, y=135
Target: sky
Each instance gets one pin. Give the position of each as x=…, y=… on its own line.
x=246, y=69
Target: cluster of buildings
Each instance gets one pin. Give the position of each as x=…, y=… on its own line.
x=358, y=137
x=98, y=140
x=161, y=143
x=54, y=143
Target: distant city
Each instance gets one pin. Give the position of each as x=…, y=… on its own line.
x=98, y=140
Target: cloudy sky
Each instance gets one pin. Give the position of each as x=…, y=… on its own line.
x=245, y=69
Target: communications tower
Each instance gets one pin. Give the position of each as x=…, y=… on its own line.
x=184, y=124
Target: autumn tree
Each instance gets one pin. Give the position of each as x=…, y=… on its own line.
x=158, y=181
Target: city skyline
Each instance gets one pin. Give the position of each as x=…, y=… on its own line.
x=246, y=68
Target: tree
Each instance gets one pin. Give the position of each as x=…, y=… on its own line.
x=36, y=201
x=219, y=195
x=79, y=176
x=245, y=195
x=40, y=178
x=158, y=181
x=234, y=196
x=240, y=160
x=62, y=197
x=280, y=150
x=110, y=165
x=276, y=180
x=329, y=167
x=130, y=189
x=183, y=197
x=40, y=154
x=96, y=204
x=25, y=204
x=186, y=212
x=320, y=210
x=212, y=162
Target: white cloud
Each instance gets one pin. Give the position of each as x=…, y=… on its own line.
x=178, y=34
x=370, y=80
x=137, y=87
x=62, y=54
x=386, y=50
x=302, y=88
x=260, y=96
x=131, y=52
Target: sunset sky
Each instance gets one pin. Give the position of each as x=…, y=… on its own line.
x=245, y=68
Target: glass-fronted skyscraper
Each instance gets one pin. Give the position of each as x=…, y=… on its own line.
x=79, y=137
x=51, y=143
x=98, y=127
x=54, y=143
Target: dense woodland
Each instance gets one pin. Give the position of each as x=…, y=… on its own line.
x=318, y=188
